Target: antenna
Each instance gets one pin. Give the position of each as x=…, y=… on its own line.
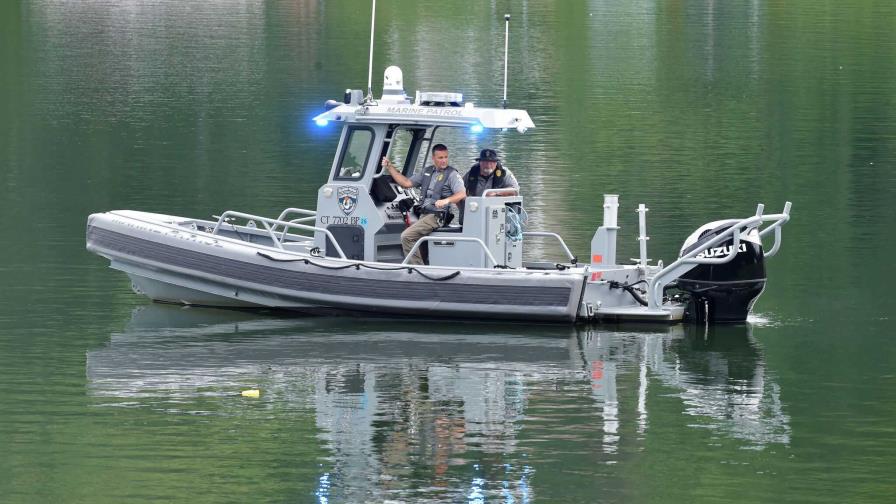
x=370, y=64
x=506, y=38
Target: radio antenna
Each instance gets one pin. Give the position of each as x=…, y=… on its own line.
x=370, y=64
x=506, y=38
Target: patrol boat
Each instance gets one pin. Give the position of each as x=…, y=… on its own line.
x=346, y=255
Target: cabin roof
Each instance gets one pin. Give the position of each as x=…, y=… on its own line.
x=427, y=109
x=413, y=114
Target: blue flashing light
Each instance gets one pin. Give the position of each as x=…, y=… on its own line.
x=321, y=122
x=476, y=128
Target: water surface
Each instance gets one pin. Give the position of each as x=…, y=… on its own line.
x=701, y=109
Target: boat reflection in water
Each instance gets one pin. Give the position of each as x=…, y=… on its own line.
x=399, y=404
x=717, y=372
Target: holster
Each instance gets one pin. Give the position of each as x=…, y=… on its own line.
x=405, y=205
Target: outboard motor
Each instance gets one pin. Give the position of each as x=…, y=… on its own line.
x=724, y=292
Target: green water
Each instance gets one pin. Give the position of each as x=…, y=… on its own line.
x=701, y=109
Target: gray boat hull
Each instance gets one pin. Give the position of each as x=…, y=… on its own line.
x=169, y=262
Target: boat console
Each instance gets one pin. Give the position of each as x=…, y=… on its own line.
x=361, y=206
x=487, y=238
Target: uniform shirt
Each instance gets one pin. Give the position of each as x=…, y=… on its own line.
x=454, y=183
x=484, y=183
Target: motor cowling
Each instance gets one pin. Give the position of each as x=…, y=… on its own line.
x=723, y=292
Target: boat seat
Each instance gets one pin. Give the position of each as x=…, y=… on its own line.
x=449, y=229
x=382, y=190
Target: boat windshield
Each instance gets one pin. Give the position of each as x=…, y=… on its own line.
x=355, y=151
x=459, y=143
x=405, y=147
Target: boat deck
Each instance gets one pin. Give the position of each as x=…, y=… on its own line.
x=670, y=314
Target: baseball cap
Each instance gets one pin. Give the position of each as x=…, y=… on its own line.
x=487, y=155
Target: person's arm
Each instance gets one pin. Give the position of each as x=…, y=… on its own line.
x=457, y=185
x=510, y=183
x=508, y=191
x=396, y=175
x=453, y=199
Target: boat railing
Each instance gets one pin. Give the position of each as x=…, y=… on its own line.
x=776, y=227
x=310, y=215
x=500, y=192
x=689, y=260
x=452, y=239
x=572, y=258
x=270, y=225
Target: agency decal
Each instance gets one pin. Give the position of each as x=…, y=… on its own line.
x=426, y=111
x=326, y=220
x=347, y=196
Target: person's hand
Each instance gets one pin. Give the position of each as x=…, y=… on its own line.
x=442, y=203
x=385, y=163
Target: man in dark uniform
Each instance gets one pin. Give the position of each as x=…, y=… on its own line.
x=440, y=185
x=486, y=174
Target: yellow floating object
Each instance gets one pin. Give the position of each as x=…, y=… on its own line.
x=251, y=393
